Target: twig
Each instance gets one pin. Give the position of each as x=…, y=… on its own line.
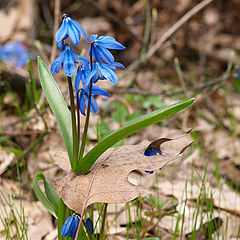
x=55, y=27
x=46, y=14
x=197, y=87
x=22, y=133
x=175, y=27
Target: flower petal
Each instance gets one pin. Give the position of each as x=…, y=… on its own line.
x=73, y=32
x=83, y=60
x=74, y=227
x=56, y=65
x=105, y=54
x=66, y=226
x=96, y=90
x=69, y=64
x=77, y=80
x=152, y=151
x=80, y=30
x=91, y=74
x=93, y=37
x=61, y=33
x=89, y=224
x=93, y=106
x=95, y=54
x=108, y=73
x=81, y=102
x=109, y=42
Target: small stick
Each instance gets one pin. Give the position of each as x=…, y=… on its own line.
x=55, y=28
x=175, y=27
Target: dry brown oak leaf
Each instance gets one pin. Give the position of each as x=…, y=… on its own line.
x=107, y=180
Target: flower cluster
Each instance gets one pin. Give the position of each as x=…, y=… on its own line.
x=14, y=53
x=101, y=66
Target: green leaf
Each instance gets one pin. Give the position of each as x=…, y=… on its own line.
x=130, y=128
x=57, y=104
x=51, y=201
x=61, y=217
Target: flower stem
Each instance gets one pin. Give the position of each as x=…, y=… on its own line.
x=74, y=128
x=78, y=122
x=86, y=123
x=88, y=114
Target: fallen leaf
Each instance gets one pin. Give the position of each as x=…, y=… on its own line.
x=6, y=159
x=107, y=180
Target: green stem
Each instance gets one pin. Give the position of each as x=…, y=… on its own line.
x=86, y=124
x=101, y=237
x=78, y=122
x=88, y=114
x=74, y=128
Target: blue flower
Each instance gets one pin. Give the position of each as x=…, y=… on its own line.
x=67, y=59
x=70, y=226
x=83, y=97
x=82, y=73
x=15, y=53
x=103, y=71
x=69, y=28
x=100, y=48
x=238, y=73
x=89, y=224
x=151, y=152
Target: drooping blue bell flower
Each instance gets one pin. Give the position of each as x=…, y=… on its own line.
x=70, y=226
x=82, y=73
x=101, y=46
x=151, y=151
x=83, y=96
x=67, y=59
x=15, y=53
x=103, y=71
x=89, y=224
x=69, y=28
x=238, y=73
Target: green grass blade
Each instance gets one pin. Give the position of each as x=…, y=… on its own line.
x=41, y=196
x=57, y=104
x=130, y=128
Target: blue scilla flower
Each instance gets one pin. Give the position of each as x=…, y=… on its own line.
x=151, y=152
x=89, y=224
x=103, y=71
x=69, y=28
x=83, y=97
x=238, y=73
x=67, y=59
x=101, y=46
x=70, y=226
x=15, y=53
x=82, y=73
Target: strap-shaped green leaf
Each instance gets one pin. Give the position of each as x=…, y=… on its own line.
x=130, y=128
x=51, y=201
x=57, y=104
